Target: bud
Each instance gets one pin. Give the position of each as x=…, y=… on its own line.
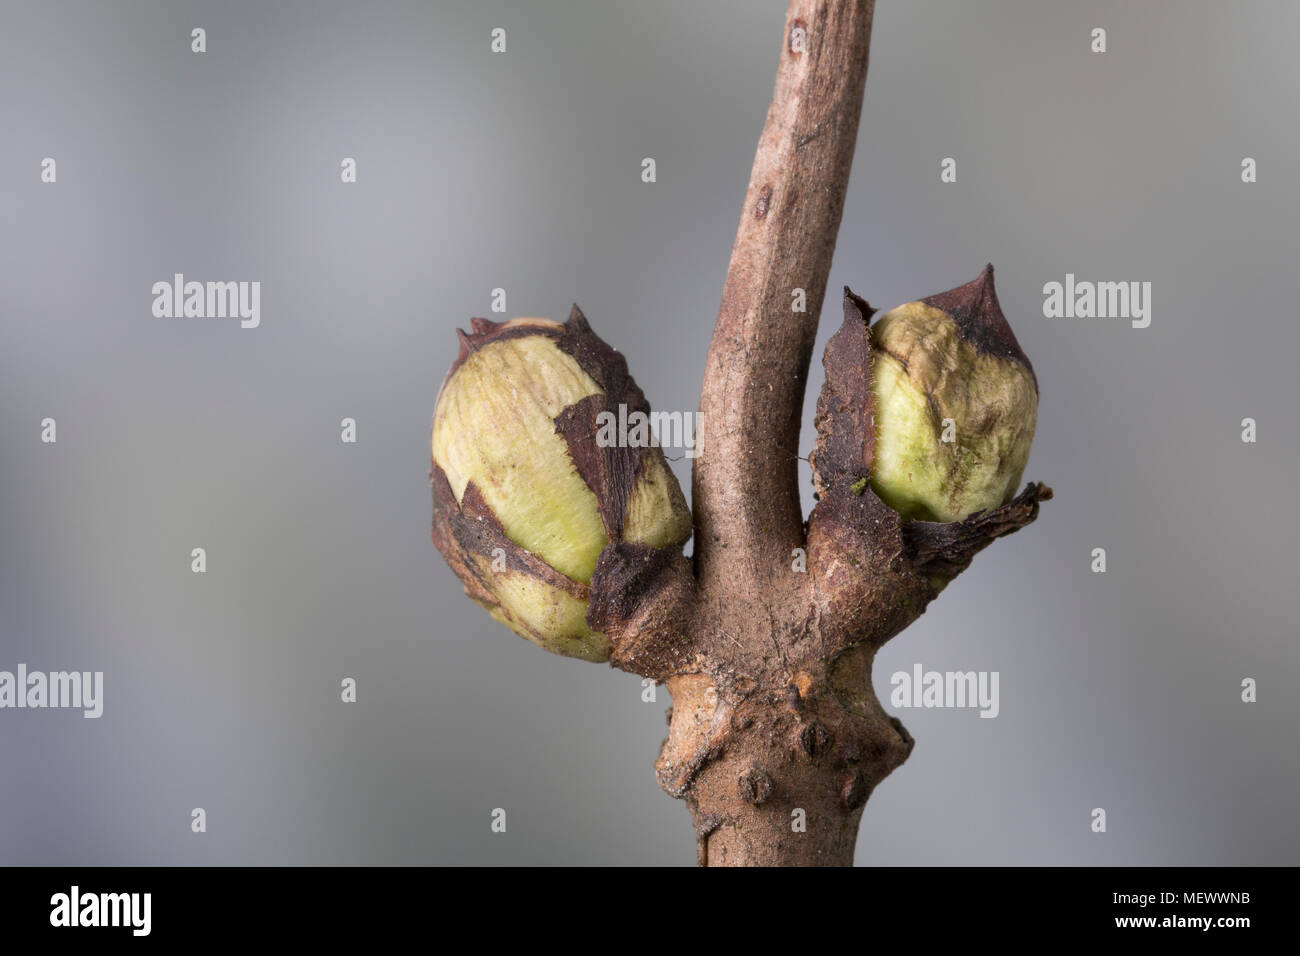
x=950, y=367
x=525, y=496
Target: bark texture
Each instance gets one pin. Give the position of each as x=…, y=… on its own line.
x=776, y=739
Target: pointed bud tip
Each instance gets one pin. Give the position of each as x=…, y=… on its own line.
x=577, y=321
x=482, y=331
x=466, y=344
x=855, y=302
x=975, y=308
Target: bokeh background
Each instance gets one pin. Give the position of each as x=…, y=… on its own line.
x=522, y=170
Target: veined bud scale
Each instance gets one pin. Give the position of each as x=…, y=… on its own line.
x=525, y=495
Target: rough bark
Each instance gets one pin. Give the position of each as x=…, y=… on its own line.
x=776, y=738
x=757, y=622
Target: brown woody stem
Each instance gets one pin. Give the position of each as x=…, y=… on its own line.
x=746, y=493
x=776, y=738
x=735, y=748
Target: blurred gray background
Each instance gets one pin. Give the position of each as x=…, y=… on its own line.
x=522, y=170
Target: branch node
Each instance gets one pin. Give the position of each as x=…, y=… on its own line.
x=755, y=786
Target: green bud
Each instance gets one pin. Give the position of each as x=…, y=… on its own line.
x=525, y=496
x=955, y=405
